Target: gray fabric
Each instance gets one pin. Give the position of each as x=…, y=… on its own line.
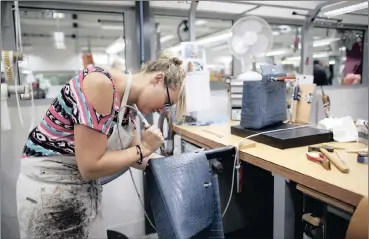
x=263, y=103
x=183, y=207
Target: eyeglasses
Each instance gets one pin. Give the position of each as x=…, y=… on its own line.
x=168, y=104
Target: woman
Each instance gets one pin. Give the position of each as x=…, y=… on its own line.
x=58, y=193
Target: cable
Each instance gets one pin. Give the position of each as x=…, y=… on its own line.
x=236, y=158
x=144, y=121
x=17, y=38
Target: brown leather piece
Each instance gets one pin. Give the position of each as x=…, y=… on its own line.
x=358, y=227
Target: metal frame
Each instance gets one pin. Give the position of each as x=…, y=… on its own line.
x=306, y=63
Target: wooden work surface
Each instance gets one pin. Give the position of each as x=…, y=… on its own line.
x=289, y=163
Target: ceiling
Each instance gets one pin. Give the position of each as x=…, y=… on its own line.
x=100, y=30
x=80, y=28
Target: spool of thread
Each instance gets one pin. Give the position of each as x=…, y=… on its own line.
x=362, y=158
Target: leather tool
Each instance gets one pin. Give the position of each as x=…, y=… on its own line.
x=283, y=78
x=332, y=146
x=362, y=157
x=332, y=156
x=296, y=99
x=146, y=126
x=318, y=157
x=317, y=148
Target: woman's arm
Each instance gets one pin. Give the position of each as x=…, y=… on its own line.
x=135, y=141
x=90, y=140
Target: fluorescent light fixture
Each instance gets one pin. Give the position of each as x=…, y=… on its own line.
x=219, y=48
x=324, y=42
x=347, y=9
x=58, y=15
x=116, y=47
x=59, y=36
x=200, y=22
x=317, y=55
x=343, y=48
x=332, y=62
x=209, y=40
x=166, y=38
x=112, y=27
x=59, y=40
x=284, y=28
x=276, y=53
x=275, y=33
x=26, y=72
x=93, y=49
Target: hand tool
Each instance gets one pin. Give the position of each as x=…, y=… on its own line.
x=283, y=78
x=296, y=99
x=357, y=150
x=318, y=157
x=146, y=126
x=331, y=146
x=333, y=157
x=318, y=147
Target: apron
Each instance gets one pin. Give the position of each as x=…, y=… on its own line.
x=54, y=201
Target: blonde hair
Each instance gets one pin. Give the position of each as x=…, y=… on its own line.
x=175, y=77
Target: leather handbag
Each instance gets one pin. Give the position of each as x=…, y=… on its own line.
x=184, y=197
x=264, y=102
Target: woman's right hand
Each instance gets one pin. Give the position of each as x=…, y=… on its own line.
x=152, y=139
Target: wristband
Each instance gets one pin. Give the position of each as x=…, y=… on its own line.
x=139, y=152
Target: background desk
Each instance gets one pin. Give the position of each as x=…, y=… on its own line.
x=341, y=190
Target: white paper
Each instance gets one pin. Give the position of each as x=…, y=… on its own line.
x=198, y=91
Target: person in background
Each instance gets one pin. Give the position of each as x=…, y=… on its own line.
x=320, y=76
x=58, y=189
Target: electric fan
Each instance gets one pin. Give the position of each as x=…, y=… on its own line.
x=252, y=38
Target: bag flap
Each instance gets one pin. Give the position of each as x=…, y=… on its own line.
x=184, y=182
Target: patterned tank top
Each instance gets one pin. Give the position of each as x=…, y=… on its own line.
x=54, y=136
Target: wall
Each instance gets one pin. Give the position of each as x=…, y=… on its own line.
x=50, y=59
x=347, y=101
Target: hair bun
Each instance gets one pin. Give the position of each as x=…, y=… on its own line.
x=176, y=61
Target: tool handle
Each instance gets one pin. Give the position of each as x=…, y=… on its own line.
x=336, y=161
x=294, y=111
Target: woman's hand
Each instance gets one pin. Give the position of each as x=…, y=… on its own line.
x=152, y=139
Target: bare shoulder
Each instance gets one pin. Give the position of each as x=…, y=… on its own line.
x=98, y=90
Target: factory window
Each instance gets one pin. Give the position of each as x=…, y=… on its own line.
x=286, y=48
x=339, y=53
x=171, y=31
x=57, y=44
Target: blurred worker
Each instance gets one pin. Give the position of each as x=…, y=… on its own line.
x=320, y=76
x=58, y=191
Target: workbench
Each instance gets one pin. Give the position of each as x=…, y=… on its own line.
x=342, y=191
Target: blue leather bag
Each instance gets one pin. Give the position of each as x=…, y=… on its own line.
x=184, y=197
x=264, y=102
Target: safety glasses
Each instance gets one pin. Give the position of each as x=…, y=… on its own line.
x=168, y=104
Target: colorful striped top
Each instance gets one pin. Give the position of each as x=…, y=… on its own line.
x=54, y=136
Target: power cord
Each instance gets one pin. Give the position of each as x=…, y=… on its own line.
x=236, y=158
x=144, y=121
